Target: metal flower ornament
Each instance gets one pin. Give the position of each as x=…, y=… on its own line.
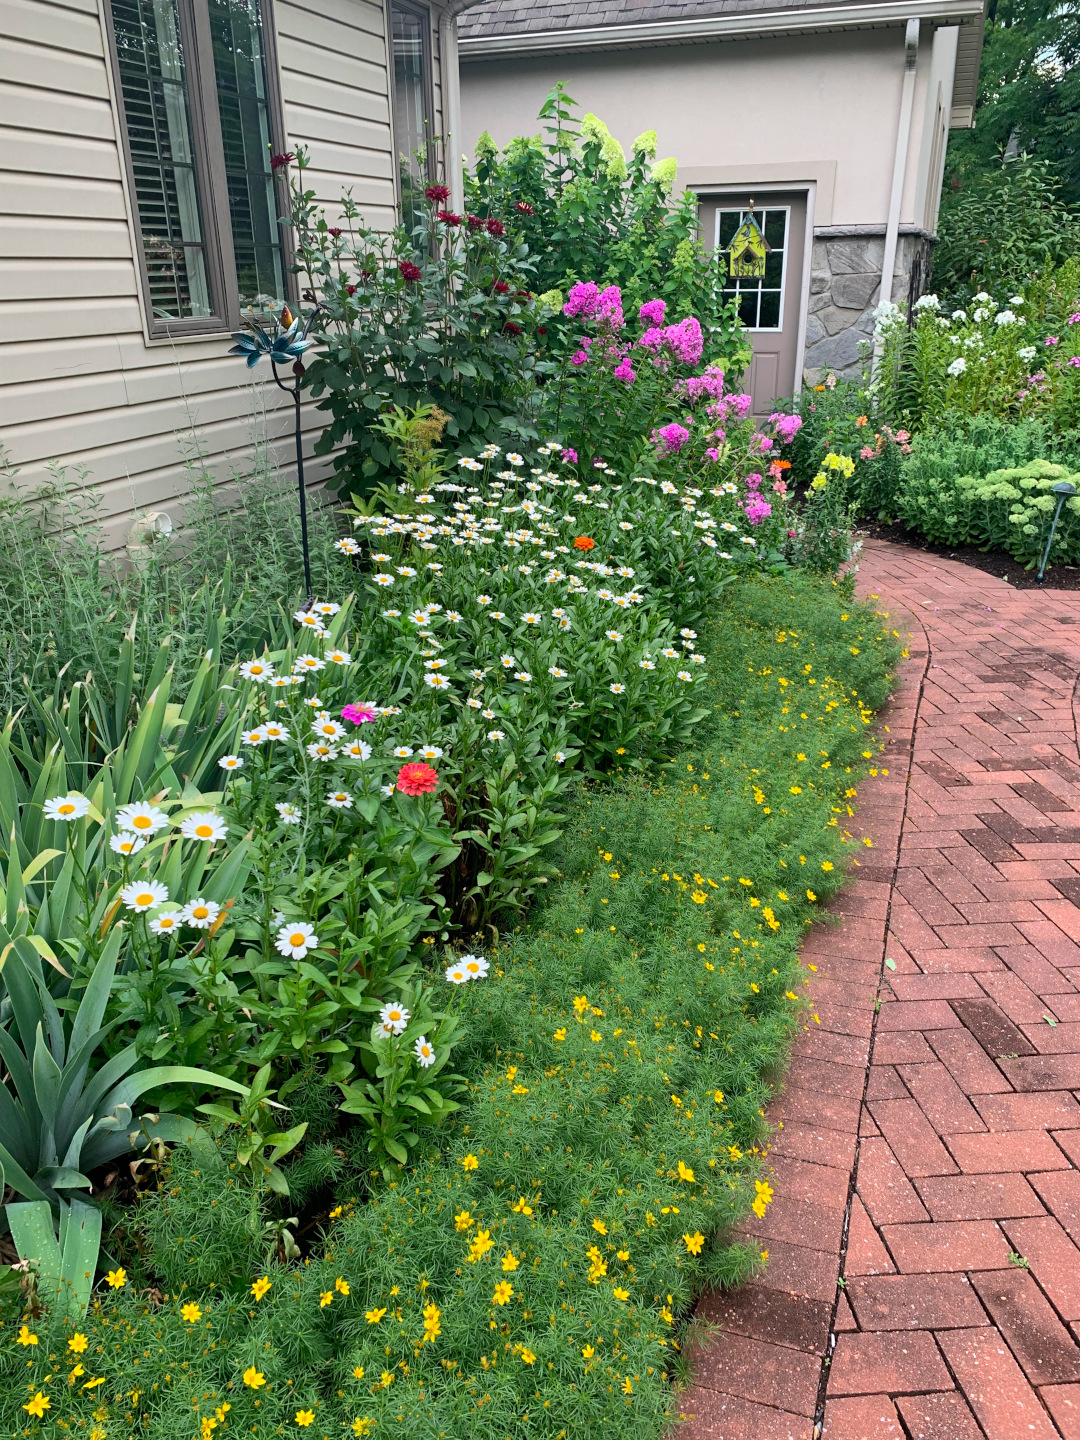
x=284, y=342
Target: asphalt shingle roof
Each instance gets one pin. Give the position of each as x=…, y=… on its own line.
x=525, y=17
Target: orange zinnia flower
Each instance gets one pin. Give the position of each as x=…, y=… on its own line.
x=584, y=543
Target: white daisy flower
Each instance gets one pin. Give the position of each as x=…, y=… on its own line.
x=473, y=703
x=205, y=826
x=475, y=966
x=200, y=914
x=328, y=729
x=565, y=624
x=558, y=674
x=646, y=665
x=685, y=675
x=483, y=599
x=393, y=1019
x=296, y=940
x=514, y=459
x=144, y=895
x=310, y=621
x=531, y=618
x=454, y=617
x=348, y=546
x=381, y=559
x=231, y=762
x=382, y=579
x=127, y=844
x=257, y=670
x=430, y=752
x=358, y=750
x=419, y=617
x=508, y=661
x=495, y=735
x=339, y=657
x=697, y=659
x=488, y=714
x=437, y=682
x=613, y=635
x=339, y=800
x=166, y=924
x=457, y=975
x=304, y=663
x=402, y=752
x=289, y=814
x=625, y=525
x=273, y=731
x=617, y=689
x=523, y=676
x=424, y=1052
x=66, y=808
x=407, y=571
x=140, y=819
x=320, y=750
x=387, y=790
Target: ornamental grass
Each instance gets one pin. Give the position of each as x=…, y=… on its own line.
x=532, y=1274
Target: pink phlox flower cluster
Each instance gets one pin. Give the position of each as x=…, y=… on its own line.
x=785, y=426
x=712, y=454
x=673, y=437
x=731, y=407
x=1074, y=361
x=579, y=357
x=587, y=299
x=1051, y=340
x=711, y=383
x=652, y=339
x=568, y=456
x=625, y=371
x=761, y=442
x=866, y=453
x=1074, y=319
x=686, y=340
x=753, y=481
x=653, y=312
x=757, y=510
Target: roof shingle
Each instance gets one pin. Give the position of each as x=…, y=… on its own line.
x=523, y=17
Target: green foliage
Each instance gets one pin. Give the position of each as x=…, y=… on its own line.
x=588, y=213
x=441, y=315
x=1003, y=224
x=662, y=965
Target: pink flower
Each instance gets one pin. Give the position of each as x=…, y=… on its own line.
x=358, y=714
x=1075, y=360
x=583, y=299
x=653, y=339
x=720, y=435
x=579, y=357
x=712, y=454
x=780, y=487
x=866, y=453
x=673, y=437
x=653, y=312
x=625, y=371
x=757, y=510
x=791, y=534
x=568, y=456
x=1074, y=319
x=686, y=340
x=753, y=482
x=1051, y=340
x=786, y=426
x=609, y=308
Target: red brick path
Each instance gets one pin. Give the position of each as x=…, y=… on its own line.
x=944, y=1075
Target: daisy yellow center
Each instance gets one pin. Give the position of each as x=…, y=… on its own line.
x=297, y=938
x=145, y=898
x=200, y=912
x=141, y=822
x=166, y=922
x=67, y=809
x=395, y=1014
x=204, y=832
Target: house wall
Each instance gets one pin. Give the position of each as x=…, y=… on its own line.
x=79, y=381
x=820, y=110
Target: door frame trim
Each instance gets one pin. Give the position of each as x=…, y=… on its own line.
x=705, y=192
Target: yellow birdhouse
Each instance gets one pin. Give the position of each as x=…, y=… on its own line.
x=747, y=250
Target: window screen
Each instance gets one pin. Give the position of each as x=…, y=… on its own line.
x=410, y=30
x=761, y=302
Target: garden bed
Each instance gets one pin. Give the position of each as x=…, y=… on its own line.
x=531, y=1271
x=992, y=562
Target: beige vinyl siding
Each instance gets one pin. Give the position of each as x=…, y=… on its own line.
x=79, y=384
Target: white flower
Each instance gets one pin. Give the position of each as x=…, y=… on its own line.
x=289, y=814
x=454, y=617
x=296, y=940
x=66, y=807
x=430, y=752
x=339, y=800
x=273, y=731
x=419, y=617
x=513, y=459
x=339, y=657
x=523, y=676
x=200, y=914
x=126, y=844
x=625, y=525
x=646, y=665
x=697, y=659
x=166, y=923
x=475, y=966
x=407, y=571
x=348, y=546
x=958, y=366
x=380, y=558
x=437, y=682
x=457, y=975
x=258, y=670
x=560, y=758
x=144, y=895
x=203, y=826
x=394, y=1019
x=980, y=314
x=617, y=689
x=326, y=607
x=310, y=621
x=488, y=714
x=321, y=751
x=927, y=302
x=307, y=662
x=508, y=661
x=231, y=762
x=253, y=737
x=382, y=579
x=1005, y=317
x=685, y=675
x=982, y=296
x=402, y=752
x=531, y=618
x=358, y=750
x=328, y=729
x=473, y=703
x=613, y=635
x=141, y=819
x=959, y=315
x=495, y=735
x=424, y=1052
x=1027, y=352
x=558, y=674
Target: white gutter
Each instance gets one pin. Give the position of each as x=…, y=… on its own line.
x=451, y=78
x=855, y=16
x=903, y=138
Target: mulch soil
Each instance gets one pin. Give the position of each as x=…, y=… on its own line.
x=993, y=562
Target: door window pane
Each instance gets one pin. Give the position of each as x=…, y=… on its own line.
x=240, y=71
x=410, y=105
x=154, y=84
x=761, y=301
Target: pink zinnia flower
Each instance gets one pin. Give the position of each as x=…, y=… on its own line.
x=417, y=779
x=358, y=714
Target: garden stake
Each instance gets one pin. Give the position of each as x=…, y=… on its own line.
x=287, y=343
x=1062, y=490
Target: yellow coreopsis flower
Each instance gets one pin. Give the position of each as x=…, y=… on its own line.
x=117, y=1278
x=694, y=1242
x=470, y=1162
x=38, y=1405
x=305, y=1417
x=26, y=1336
x=78, y=1342
x=325, y=1298
x=341, y=1286
x=374, y=1316
x=510, y=1261
x=254, y=1379
x=260, y=1287
x=685, y=1173
x=503, y=1293
x=191, y=1312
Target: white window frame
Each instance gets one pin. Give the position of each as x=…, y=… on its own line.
x=721, y=209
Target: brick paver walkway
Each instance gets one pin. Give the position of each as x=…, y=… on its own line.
x=924, y=1275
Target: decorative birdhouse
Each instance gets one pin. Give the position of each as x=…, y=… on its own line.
x=747, y=251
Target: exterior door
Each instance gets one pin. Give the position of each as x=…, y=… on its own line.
x=769, y=307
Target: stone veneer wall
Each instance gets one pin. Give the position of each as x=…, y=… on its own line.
x=845, y=276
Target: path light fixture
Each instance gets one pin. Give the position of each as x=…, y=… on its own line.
x=284, y=339
x=1063, y=489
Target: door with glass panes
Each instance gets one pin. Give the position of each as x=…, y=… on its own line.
x=769, y=306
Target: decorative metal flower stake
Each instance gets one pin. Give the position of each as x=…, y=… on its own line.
x=284, y=346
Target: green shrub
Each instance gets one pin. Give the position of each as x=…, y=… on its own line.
x=618, y=1060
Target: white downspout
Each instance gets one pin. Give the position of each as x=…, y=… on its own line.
x=903, y=137
x=448, y=57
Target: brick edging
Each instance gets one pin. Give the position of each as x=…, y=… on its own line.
x=762, y=1372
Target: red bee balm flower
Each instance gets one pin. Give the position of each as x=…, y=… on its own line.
x=437, y=192
x=524, y=207
x=511, y=329
x=279, y=162
x=497, y=228
x=409, y=271
x=417, y=779
x=448, y=217
x=583, y=542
